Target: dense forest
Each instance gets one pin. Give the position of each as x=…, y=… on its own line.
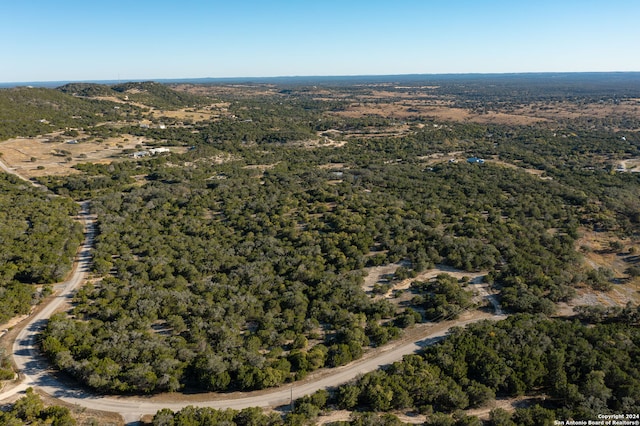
x=233, y=276
x=585, y=371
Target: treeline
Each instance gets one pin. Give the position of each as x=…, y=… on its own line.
x=304, y=414
x=39, y=241
x=6, y=369
x=596, y=314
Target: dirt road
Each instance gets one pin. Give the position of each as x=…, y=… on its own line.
x=132, y=409
x=33, y=368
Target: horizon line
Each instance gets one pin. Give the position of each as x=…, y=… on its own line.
x=51, y=83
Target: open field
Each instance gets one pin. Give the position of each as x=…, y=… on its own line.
x=33, y=157
x=413, y=109
x=571, y=110
x=412, y=106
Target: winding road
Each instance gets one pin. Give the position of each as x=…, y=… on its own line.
x=36, y=372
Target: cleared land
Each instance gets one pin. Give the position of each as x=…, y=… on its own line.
x=33, y=157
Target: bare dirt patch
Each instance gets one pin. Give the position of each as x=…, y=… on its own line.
x=630, y=165
x=195, y=115
x=435, y=110
x=376, y=274
x=384, y=274
x=322, y=141
x=33, y=157
x=11, y=323
x=507, y=404
x=334, y=416
x=535, y=172
x=345, y=416
x=260, y=167
x=332, y=166
x=598, y=251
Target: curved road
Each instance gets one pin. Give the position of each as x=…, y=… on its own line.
x=32, y=366
x=36, y=372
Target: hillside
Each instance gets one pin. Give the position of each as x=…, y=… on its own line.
x=26, y=111
x=148, y=93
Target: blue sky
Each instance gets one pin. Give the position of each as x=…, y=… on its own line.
x=44, y=40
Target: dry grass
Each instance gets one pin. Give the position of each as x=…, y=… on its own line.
x=34, y=157
x=571, y=110
x=596, y=249
x=631, y=165
x=535, y=172
x=322, y=142
x=387, y=100
x=381, y=274
x=332, y=166
x=27, y=155
x=196, y=115
x=435, y=110
x=260, y=167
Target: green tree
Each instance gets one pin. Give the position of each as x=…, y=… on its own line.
x=28, y=407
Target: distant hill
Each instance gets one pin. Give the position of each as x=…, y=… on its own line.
x=148, y=93
x=33, y=111
x=159, y=95
x=27, y=111
x=86, y=89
